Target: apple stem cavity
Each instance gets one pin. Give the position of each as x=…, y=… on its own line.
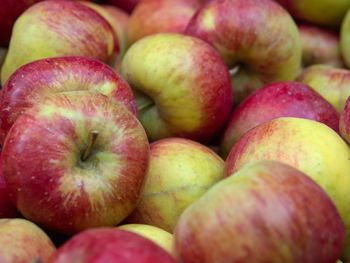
x=234, y=70
x=92, y=141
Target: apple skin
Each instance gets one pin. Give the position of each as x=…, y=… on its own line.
x=159, y=236
x=49, y=181
x=320, y=12
x=58, y=28
x=310, y=146
x=331, y=83
x=3, y=52
x=266, y=212
x=320, y=46
x=173, y=14
x=104, y=245
x=290, y=99
x=21, y=241
x=35, y=81
x=179, y=172
x=266, y=50
x=118, y=19
x=345, y=39
x=344, y=123
x=182, y=86
x=127, y=5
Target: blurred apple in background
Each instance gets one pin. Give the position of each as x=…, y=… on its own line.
x=321, y=12
x=266, y=212
x=35, y=81
x=331, y=83
x=118, y=19
x=159, y=236
x=260, y=49
x=21, y=241
x=179, y=172
x=310, y=146
x=75, y=161
x=320, y=46
x=160, y=16
x=181, y=84
x=127, y=5
x=282, y=99
x=58, y=28
x=7, y=208
x=345, y=37
x=102, y=245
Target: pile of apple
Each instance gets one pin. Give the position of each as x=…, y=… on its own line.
x=163, y=131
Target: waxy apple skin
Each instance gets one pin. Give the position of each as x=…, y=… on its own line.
x=321, y=12
x=159, y=236
x=58, y=28
x=182, y=86
x=266, y=50
x=331, y=83
x=102, y=245
x=320, y=46
x=179, y=172
x=266, y=212
x=160, y=16
x=21, y=241
x=35, y=81
x=51, y=182
x=307, y=145
x=289, y=99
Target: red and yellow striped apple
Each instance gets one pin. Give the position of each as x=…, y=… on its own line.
x=181, y=84
x=75, y=161
x=58, y=28
x=282, y=99
x=310, y=146
x=37, y=80
x=262, y=50
x=265, y=212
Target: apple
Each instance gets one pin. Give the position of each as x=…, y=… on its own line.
x=58, y=28
x=7, y=208
x=331, y=83
x=345, y=38
x=102, y=245
x=320, y=46
x=182, y=86
x=118, y=19
x=310, y=146
x=260, y=48
x=289, y=99
x=127, y=5
x=21, y=241
x=35, y=81
x=159, y=236
x=265, y=212
x=179, y=172
x=3, y=52
x=75, y=161
x=344, y=123
x=160, y=16
x=321, y=12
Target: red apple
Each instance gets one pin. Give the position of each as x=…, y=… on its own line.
x=75, y=161
x=35, y=81
x=107, y=245
x=58, y=28
x=7, y=208
x=283, y=99
x=266, y=212
x=21, y=241
x=127, y=5
x=257, y=38
x=182, y=86
x=160, y=16
x=344, y=124
x=320, y=46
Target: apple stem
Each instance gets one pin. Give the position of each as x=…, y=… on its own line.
x=92, y=142
x=234, y=70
